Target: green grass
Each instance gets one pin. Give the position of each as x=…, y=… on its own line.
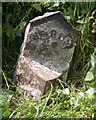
x=74, y=99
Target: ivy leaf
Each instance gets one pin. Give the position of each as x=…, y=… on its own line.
x=89, y=76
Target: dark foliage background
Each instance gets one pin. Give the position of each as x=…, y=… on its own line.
x=15, y=17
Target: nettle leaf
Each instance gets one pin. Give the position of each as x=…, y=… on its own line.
x=37, y=6
x=89, y=76
x=56, y=3
x=80, y=21
x=7, y=113
x=81, y=94
x=22, y=25
x=92, y=84
x=90, y=92
x=67, y=17
x=93, y=60
x=33, y=109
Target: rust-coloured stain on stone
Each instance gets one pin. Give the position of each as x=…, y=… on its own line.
x=46, y=52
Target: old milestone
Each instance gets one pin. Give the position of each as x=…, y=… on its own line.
x=46, y=52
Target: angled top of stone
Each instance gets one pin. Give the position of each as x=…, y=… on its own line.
x=46, y=15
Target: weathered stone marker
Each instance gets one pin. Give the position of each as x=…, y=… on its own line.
x=46, y=52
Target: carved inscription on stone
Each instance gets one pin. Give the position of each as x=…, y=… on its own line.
x=51, y=45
